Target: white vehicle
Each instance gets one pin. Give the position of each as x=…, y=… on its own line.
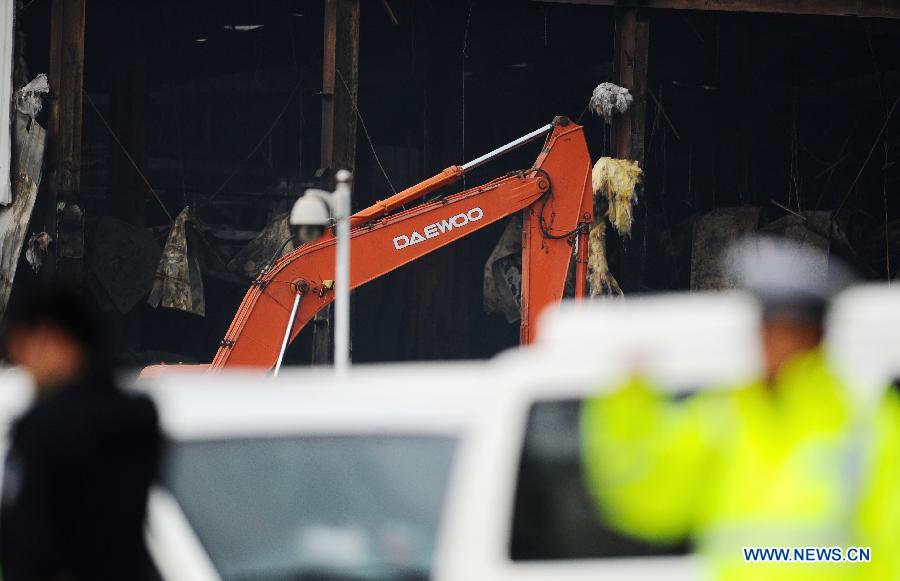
x=446, y=471
x=519, y=509
x=299, y=477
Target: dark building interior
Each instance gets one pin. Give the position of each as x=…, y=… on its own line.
x=217, y=107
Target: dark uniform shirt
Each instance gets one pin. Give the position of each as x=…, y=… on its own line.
x=75, y=486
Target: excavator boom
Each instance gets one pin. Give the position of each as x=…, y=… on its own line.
x=555, y=195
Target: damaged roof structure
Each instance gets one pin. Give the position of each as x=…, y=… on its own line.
x=178, y=135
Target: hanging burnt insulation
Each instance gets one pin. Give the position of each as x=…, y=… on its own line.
x=617, y=180
x=600, y=279
x=609, y=99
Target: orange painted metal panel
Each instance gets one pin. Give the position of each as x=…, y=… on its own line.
x=556, y=188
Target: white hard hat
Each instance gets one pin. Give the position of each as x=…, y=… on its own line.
x=311, y=210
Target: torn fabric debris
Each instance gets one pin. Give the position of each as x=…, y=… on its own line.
x=29, y=99
x=122, y=258
x=37, y=249
x=178, y=284
x=503, y=274
x=271, y=243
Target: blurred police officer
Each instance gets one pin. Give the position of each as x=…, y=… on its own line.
x=767, y=464
x=81, y=459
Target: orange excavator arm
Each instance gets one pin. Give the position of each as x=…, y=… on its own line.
x=555, y=195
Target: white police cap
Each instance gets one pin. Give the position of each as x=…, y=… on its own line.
x=784, y=274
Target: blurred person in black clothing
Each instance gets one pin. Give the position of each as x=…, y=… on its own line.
x=81, y=459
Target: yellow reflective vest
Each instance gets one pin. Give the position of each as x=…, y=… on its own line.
x=879, y=511
x=758, y=466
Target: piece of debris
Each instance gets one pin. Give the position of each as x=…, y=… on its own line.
x=269, y=245
x=69, y=230
x=609, y=99
x=503, y=274
x=29, y=99
x=122, y=258
x=37, y=249
x=27, y=161
x=617, y=180
x=178, y=284
x=600, y=279
x=714, y=232
x=810, y=228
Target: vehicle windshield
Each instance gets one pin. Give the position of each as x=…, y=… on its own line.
x=554, y=516
x=314, y=507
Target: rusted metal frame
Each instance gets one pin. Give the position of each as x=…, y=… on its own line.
x=346, y=71
x=329, y=56
x=626, y=42
x=340, y=65
x=631, y=62
x=632, y=43
x=66, y=76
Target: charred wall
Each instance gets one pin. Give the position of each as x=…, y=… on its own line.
x=218, y=105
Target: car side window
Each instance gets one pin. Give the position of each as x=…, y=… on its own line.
x=554, y=517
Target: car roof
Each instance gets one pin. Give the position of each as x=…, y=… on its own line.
x=438, y=399
x=863, y=339
x=680, y=340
